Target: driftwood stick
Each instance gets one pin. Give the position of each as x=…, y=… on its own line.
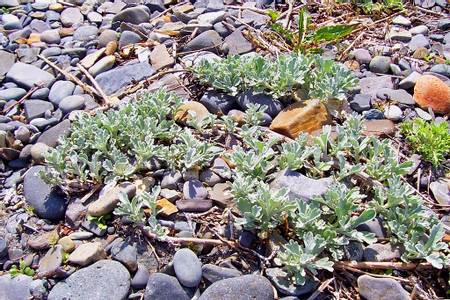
x=289, y=13
x=70, y=77
x=183, y=241
x=95, y=83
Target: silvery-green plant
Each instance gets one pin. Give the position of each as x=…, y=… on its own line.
x=133, y=209
x=297, y=259
x=281, y=77
x=189, y=152
x=114, y=145
x=329, y=80
x=263, y=209
x=382, y=161
x=294, y=155
x=256, y=161
x=254, y=114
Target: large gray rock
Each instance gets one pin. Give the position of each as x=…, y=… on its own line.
x=36, y=108
x=113, y=80
x=133, y=15
x=50, y=136
x=126, y=254
x=17, y=288
x=51, y=261
x=218, y=103
x=161, y=286
x=300, y=186
x=209, y=40
x=27, y=76
x=214, y=273
x=71, y=16
x=238, y=44
x=372, y=288
x=44, y=198
x=105, y=279
x=247, y=287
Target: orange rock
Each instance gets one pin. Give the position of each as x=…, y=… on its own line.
x=191, y=109
x=300, y=117
x=111, y=47
x=432, y=92
x=66, y=31
x=166, y=207
x=379, y=127
x=34, y=38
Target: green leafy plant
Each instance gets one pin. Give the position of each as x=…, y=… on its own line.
x=282, y=77
x=23, y=269
x=299, y=259
x=305, y=38
x=188, y=152
x=100, y=221
x=372, y=7
x=430, y=140
x=261, y=207
x=133, y=209
x=116, y=144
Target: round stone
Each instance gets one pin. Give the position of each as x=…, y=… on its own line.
x=71, y=103
x=188, y=267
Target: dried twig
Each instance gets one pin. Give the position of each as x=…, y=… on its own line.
x=95, y=83
x=28, y=94
x=289, y=13
x=71, y=77
x=430, y=11
x=344, y=54
x=373, y=275
x=321, y=288
x=133, y=88
x=383, y=265
x=167, y=10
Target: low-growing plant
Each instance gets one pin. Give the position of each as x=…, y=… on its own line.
x=334, y=218
x=133, y=210
x=430, y=140
x=282, y=77
x=116, y=144
x=189, y=153
x=299, y=259
x=261, y=208
x=23, y=269
x=100, y=221
x=372, y=7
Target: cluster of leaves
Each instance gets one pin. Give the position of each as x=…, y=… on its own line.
x=133, y=209
x=117, y=144
x=430, y=140
x=321, y=228
x=306, y=39
x=283, y=77
x=372, y=7
x=23, y=269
